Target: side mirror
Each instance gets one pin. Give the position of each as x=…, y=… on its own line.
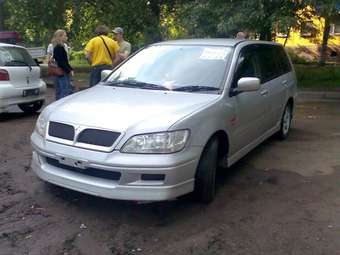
x=104, y=74
x=248, y=84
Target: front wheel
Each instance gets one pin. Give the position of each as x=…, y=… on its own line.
x=286, y=122
x=31, y=107
x=205, y=180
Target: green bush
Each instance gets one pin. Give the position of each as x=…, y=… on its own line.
x=318, y=77
x=77, y=59
x=296, y=59
x=77, y=56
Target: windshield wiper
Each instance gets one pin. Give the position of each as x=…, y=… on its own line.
x=20, y=62
x=120, y=84
x=136, y=84
x=195, y=88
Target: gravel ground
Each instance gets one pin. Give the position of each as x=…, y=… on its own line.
x=283, y=198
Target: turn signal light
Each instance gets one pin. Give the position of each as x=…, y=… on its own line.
x=4, y=76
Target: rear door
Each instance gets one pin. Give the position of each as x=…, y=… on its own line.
x=22, y=69
x=275, y=68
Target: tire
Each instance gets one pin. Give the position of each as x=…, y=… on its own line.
x=205, y=179
x=286, y=122
x=31, y=107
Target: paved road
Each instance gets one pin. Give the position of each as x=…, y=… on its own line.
x=283, y=198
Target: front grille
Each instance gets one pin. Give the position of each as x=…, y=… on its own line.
x=95, y=172
x=98, y=137
x=61, y=130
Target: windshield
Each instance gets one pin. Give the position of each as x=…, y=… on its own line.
x=14, y=56
x=174, y=67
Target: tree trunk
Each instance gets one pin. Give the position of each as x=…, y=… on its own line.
x=156, y=13
x=287, y=37
x=323, y=49
x=2, y=16
x=266, y=34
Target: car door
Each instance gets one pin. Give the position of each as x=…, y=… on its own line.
x=280, y=90
x=250, y=107
x=275, y=79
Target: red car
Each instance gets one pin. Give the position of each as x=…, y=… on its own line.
x=11, y=37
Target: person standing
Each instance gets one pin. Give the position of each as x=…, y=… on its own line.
x=62, y=82
x=124, y=46
x=100, y=52
x=49, y=50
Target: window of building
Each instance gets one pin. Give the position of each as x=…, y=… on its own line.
x=307, y=29
x=281, y=31
x=335, y=27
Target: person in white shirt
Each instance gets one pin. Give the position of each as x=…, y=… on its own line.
x=49, y=50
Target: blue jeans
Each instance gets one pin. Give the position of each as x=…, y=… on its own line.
x=63, y=86
x=95, y=74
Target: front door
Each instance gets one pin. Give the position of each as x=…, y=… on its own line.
x=250, y=108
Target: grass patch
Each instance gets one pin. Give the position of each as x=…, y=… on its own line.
x=318, y=77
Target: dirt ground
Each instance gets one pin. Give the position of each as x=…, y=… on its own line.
x=283, y=198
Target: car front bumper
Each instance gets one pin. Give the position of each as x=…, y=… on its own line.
x=178, y=170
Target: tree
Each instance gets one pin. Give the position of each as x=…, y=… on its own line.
x=327, y=10
x=217, y=18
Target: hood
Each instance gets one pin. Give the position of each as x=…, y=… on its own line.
x=120, y=109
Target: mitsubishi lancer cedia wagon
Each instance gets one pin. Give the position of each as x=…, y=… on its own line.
x=161, y=123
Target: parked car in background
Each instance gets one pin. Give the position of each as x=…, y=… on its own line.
x=161, y=123
x=12, y=37
x=20, y=82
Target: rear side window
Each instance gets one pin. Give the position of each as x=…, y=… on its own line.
x=273, y=62
x=14, y=56
x=268, y=64
x=282, y=58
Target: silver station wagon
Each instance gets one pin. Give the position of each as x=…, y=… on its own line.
x=161, y=123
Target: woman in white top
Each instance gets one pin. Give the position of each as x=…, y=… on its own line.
x=50, y=50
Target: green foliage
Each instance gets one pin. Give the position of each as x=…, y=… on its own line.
x=316, y=77
x=35, y=20
x=77, y=55
x=147, y=21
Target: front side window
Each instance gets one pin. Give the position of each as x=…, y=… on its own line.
x=246, y=65
x=14, y=56
x=175, y=67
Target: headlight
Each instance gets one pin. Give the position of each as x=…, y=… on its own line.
x=165, y=142
x=40, y=127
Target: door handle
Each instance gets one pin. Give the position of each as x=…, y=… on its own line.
x=285, y=82
x=264, y=92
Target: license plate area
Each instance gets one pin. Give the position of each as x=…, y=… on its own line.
x=72, y=162
x=30, y=92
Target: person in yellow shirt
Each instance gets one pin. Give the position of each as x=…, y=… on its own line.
x=100, y=52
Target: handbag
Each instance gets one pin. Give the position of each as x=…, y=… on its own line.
x=53, y=69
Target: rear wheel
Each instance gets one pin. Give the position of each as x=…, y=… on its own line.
x=205, y=180
x=286, y=122
x=31, y=107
